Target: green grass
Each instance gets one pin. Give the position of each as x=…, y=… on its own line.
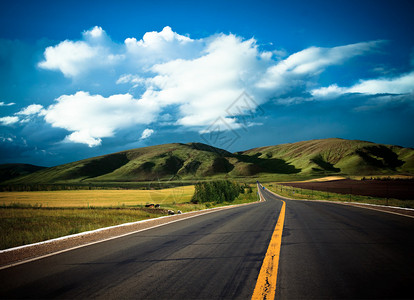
x=26, y=223
x=299, y=193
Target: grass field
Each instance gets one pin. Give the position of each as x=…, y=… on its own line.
x=300, y=193
x=30, y=217
x=98, y=198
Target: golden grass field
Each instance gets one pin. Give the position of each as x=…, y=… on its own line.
x=98, y=198
x=30, y=217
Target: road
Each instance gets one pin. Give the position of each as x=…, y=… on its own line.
x=327, y=251
x=213, y=256
x=334, y=251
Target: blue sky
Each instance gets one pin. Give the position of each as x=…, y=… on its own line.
x=86, y=78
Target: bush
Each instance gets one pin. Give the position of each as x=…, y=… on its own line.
x=216, y=191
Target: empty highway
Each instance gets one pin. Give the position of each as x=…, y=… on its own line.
x=327, y=251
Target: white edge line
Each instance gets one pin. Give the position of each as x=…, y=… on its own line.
x=204, y=212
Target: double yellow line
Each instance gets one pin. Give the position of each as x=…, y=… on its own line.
x=266, y=282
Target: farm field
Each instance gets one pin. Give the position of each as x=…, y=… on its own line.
x=291, y=190
x=395, y=188
x=98, y=198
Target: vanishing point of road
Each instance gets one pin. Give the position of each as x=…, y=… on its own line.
x=327, y=251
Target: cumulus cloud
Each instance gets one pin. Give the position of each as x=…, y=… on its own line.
x=74, y=58
x=146, y=133
x=198, y=80
x=93, y=117
x=156, y=47
x=96, y=51
x=205, y=87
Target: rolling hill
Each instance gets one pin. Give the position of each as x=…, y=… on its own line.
x=9, y=171
x=198, y=161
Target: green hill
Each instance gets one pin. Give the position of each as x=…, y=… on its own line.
x=9, y=171
x=339, y=156
x=195, y=161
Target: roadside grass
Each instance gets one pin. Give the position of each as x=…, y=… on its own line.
x=31, y=217
x=20, y=226
x=300, y=193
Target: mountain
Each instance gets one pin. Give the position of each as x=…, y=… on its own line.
x=9, y=171
x=198, y=161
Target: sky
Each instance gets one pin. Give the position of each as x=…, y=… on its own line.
x=85, y=78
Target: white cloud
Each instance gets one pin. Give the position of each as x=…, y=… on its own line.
x=327, y=92
x=33, y=109
x=96, y=50
x=310, y=62
x=93, y=117
x=146, y=133
x=403, y=84
x=95, y=33
x=205, y=87
x=76, y=58
x=156, y=47
x=133, y=79
x=7, y=104
x=83, y=137
x=71, y=58
x=9, y=120
x=155, y=39
x=198, y=80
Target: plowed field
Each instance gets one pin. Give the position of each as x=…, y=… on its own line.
x=397, y=189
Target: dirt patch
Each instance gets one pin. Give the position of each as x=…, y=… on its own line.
x=396, y=189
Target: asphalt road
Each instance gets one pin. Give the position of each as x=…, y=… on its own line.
x=334, y=251
x=213, y=256
x=327, y=251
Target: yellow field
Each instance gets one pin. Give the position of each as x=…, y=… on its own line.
x=328, y=178
x=86, y=198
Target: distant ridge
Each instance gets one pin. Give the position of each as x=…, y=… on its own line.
x=199, y=161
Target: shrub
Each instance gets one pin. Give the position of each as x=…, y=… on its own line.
x=216, y=191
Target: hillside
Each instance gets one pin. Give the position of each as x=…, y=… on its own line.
x=342, y=156
x=198, y=161
x=150, y=163
x=9, y=171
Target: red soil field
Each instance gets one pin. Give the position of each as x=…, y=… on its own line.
x=397, y=189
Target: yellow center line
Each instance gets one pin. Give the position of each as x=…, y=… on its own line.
x=266, y=282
